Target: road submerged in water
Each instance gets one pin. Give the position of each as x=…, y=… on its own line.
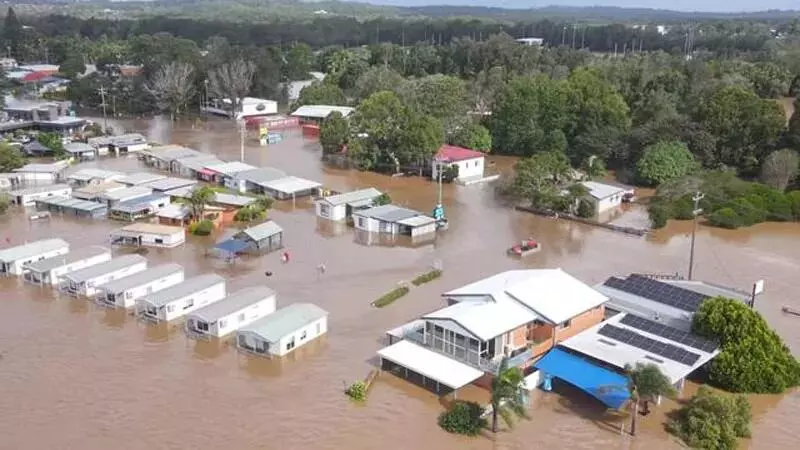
x=76, y=376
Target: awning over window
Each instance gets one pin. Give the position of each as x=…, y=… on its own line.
x=608, y=386
x=429, y=364
x=232, y=246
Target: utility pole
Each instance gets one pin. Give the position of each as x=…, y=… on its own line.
x=696, y=212
x=102, y=91
x=243, y=130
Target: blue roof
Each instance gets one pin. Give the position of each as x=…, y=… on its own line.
x=605, y=385
x=232, y=245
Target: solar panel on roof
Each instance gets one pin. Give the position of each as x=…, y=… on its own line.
x=633, y=339
x=657, y=291
x=673, y=334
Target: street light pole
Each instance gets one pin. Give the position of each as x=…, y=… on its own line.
x=697, y=197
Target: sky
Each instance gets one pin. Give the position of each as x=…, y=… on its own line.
x=675, y=5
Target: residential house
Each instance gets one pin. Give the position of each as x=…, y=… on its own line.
x=224, y=173
x=394, y=220
x=169, y=184
x=606, y=196
x=114, y=197
x=469, y=162
x=239, y=309
x=290, y=187
x=341, y=206
x=86, y=282
x=254, y=180
x=29, y=196
x=14, y=259
x=34, y=174
x=179, y=215
x=36, y=149
x=139, y=208
x=73, y=207
x=148, y=235
x=95, y=192
x=92, y=176
x=194, y=167
x=51, y=271
x=128, y=143
x=164, y=157
x=140, y=179
x=124, y=292
x=283, y=331
x=79, y=151
x=518, y=314
x=179, y=300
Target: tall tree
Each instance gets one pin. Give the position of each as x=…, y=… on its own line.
x=172, y=86
x=780, y=168
x=334, y=133
x=646, y=383
x=440, y=96
x=321, y=93
x=198, y=200
x=232, y=80
x=507, y=392
x=299, y=62
x=10, y=158
x=12, y=32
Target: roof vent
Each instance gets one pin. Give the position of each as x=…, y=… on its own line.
x=654, y=359
x=613, y=344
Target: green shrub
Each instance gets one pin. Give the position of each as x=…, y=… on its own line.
x=203, y=228
x=389, y=298
x=382, y=199
x=250, y=213
x=585, y=209
x=683, y=208
x=753, y=358
x=357, y=391
x=712, y=421
x=463, y=418
x=4, y=202
x=426, y=277
x=664, y=161
x=794, y=202
x=725, y=218
x=659, y=214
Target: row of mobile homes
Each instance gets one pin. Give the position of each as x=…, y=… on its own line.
x=148, y=235
x=29, y=196
x=14, y=259
x=140, y=179
x=170, y=183
x=283, y=331
x=73, y=207
x=51, y=271
x=179, y=300
x=80, y=151
x=86, y=282
x=235, y=311
x=394, y=220
x=195, y=167
x=224, y=173
x=124, y=292
x=163, y=157
x=112, y=198
x=139, y=208
x=37, y=174
x=95, y=192
x=340, y=207
x=91, y=176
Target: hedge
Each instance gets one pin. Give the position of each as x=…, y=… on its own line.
x=389, y=298
x=426, y=277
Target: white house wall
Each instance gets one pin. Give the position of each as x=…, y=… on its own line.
x=423, y=230
x=310, y=331
x=92, y=287
x=127, y=299
x=163, y=240
x=335, y=212
x=191, y=303
x=30, y=199
x=469, y=168
x=56, y=275
x=17, y=267
x=37, y=178
x=232, y=322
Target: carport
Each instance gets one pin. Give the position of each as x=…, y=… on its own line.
x=606, y=385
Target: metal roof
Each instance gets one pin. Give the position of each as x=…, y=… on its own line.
x=96, y=189
x=175, y=211
x=91, y=272
x=230, y=168
x=183, y=192
x=72, y=203
x=233, y=200
x=42, y=189
x=32, y=249
x=388, y=213
x=172, y=152
x=91, y=174
x=127, y=193
x=321, y=111
x=233, y=303
x=139, y=203
x=185, y=289
x=144, y=277
x=78, y=147
x=262, y=231
x=199, y=162
x=285, y=321
x=417, y=221
x=43, y=168
x=123, y=140
x=147, y=228
x=601, y=191
x=260, y=175
x=352, y=197
x=138, y=178
x=167, y=184
x=291, y=185
x=80, y=254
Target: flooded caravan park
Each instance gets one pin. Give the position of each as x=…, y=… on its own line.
x=76, y=376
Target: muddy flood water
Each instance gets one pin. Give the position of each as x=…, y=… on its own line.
x=76, y=376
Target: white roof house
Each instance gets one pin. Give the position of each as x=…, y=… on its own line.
x=13, y=259
x=96, y=191
x=51, y=270
x=241, y=308
x=291, y=186
x=484, y=320
x=88, y=280
x=353, y=197
x=29, y=196
x=283, y=331
x=120, y=195
x=230, y=168
x=321, y=111
x=92, y=175
x=170, y=183
x=140, y=178
x=124, y=291
x=181, y=299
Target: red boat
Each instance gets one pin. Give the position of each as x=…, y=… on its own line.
x=525, y=248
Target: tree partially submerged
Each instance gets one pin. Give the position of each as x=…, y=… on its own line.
x=753, y=358
x=712, y=421
x=507, y=392
x=232, y=80
x=171, y=86
x=334, y=133
x=646, y=383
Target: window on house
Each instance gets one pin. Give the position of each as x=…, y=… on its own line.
x=324, y=210
x=304, y=335
x=319, y=328
x=362, y=222
x=242, y=317
x=290, y=344
x=189, y=303
x=159, y=241
x=170, y=308
x=222, y=323
x=564, y=325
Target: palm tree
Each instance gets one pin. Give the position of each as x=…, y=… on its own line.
x=507, y=391
x=646, y=383
x=198, y=200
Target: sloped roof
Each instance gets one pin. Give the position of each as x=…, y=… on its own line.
x=452, y=153
x=352, y=196
x=262, y=231
x=321, y=111
x=285, y=321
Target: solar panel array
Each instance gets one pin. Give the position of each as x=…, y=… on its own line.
x=673, y=334
x=631, y=338
x=657, y=291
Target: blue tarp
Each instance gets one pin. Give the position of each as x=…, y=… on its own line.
x=232, y=246
x=605, y=385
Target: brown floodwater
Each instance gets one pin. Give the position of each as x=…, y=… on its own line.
x=76, y=376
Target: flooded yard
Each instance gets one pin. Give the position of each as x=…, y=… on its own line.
x=76, y=376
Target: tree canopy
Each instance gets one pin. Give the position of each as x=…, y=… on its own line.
x=712, y=421
x=664, y=161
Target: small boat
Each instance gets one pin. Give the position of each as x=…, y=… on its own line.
x=40, y=215
x=525, y=248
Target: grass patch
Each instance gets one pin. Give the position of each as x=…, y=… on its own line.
x=426, y=277
x=389, y=298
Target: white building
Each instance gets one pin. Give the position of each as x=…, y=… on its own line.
x=283, y=331
x=531, y=41
x=318, y=113
x=42, y=173
x=179, y=300
x=124, y=292
x=96, y=192
x=394, y=220
x=469, y=162
x=237, y=310
x=256, y=107
x=14, y=259
x=128, y=143
x=111, y=198
x=87, y=281
x=341, y=206
x=51, y=271
x=291, y=187
x=149, y=235
x=170, y=183
x=604, y=196
x=28, y=197
x=92, y=176
x=140, y=179
x=80, y=151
